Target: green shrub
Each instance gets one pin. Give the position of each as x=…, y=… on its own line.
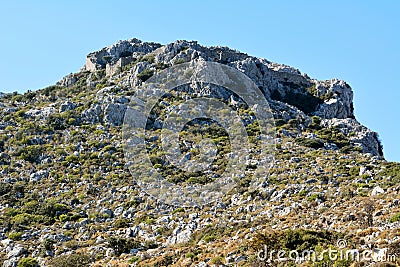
x=144, y=218
x=63, y=217
x=71, y=121
x=107, y=58
x=29, y=153
x=125, y=54
x=71, y=159
x=76, y=260
x=121, y=223
x=209, y=238
x=22, y=219
x=217, y=260
x=166, y=260
x=299, y=239
x=180, y=61
x=133, y=259
x=316, y=120
x=17, y=98
x=308, y=142
x=48, y=244
x=395, y=218
x=56, y=122
x=109, y=148
x=346, y=149
x=190, y=255
x=177, y=210
x=210, y=233
x=15, y=236
x=149, y=58
x=146, y=74
x=122, y=245
x=392, y=169
x=28, y=262
x=302, y=193
x=20, y=113
x=51, y=208
x=312, y=198
x=4, y=188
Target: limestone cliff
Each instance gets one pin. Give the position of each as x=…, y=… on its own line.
x=291, y=93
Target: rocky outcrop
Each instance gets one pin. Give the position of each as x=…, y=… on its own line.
x=333, y=97
x=109, y=109
x=98, y=60
x=66, y=106
x=358, y=134
x=68, y=80
x=42, y=113
x=292, y=94
x=339, y=102
x=114, y=114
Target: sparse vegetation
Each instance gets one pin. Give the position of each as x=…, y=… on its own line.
x=146, y=74
x=395, y=218
x=28, y=262
x=68, y=197
x=75, y=259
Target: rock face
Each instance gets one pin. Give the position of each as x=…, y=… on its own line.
x=114, y=114
x=41, y=113
x=340, y=104
x=98, y=60
x=182, y=234
x=330, y=99
x=68, y=80
x=66, y=106
x=110, y=109
x=359, y=135
x=291, y=93
x=92, y=115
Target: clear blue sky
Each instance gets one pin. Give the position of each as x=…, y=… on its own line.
x=358, y=41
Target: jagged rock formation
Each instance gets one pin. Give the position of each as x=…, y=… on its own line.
x=122, y=51
x=285, y=87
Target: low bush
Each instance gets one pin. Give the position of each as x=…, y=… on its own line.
x=395, y=218
x=29, y=153
x=299, y=239
x=308, y=142
x=76, y=260
x=28, y=262
x=15, y=236
x=146, y=74
x=122, y=245
x=121, y=223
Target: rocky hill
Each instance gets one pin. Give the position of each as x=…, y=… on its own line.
x=68, y=198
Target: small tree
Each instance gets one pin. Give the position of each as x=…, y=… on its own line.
x=369, y=208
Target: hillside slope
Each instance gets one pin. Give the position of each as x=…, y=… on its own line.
x=68, y=198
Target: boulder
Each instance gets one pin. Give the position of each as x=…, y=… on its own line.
x=39, y=175
x=377, y=190
x=92, y=115
x=359, y=135
x=16, y=251
x=182, y=233
x=114, y=114
x=66, y=105
x=340, y=104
